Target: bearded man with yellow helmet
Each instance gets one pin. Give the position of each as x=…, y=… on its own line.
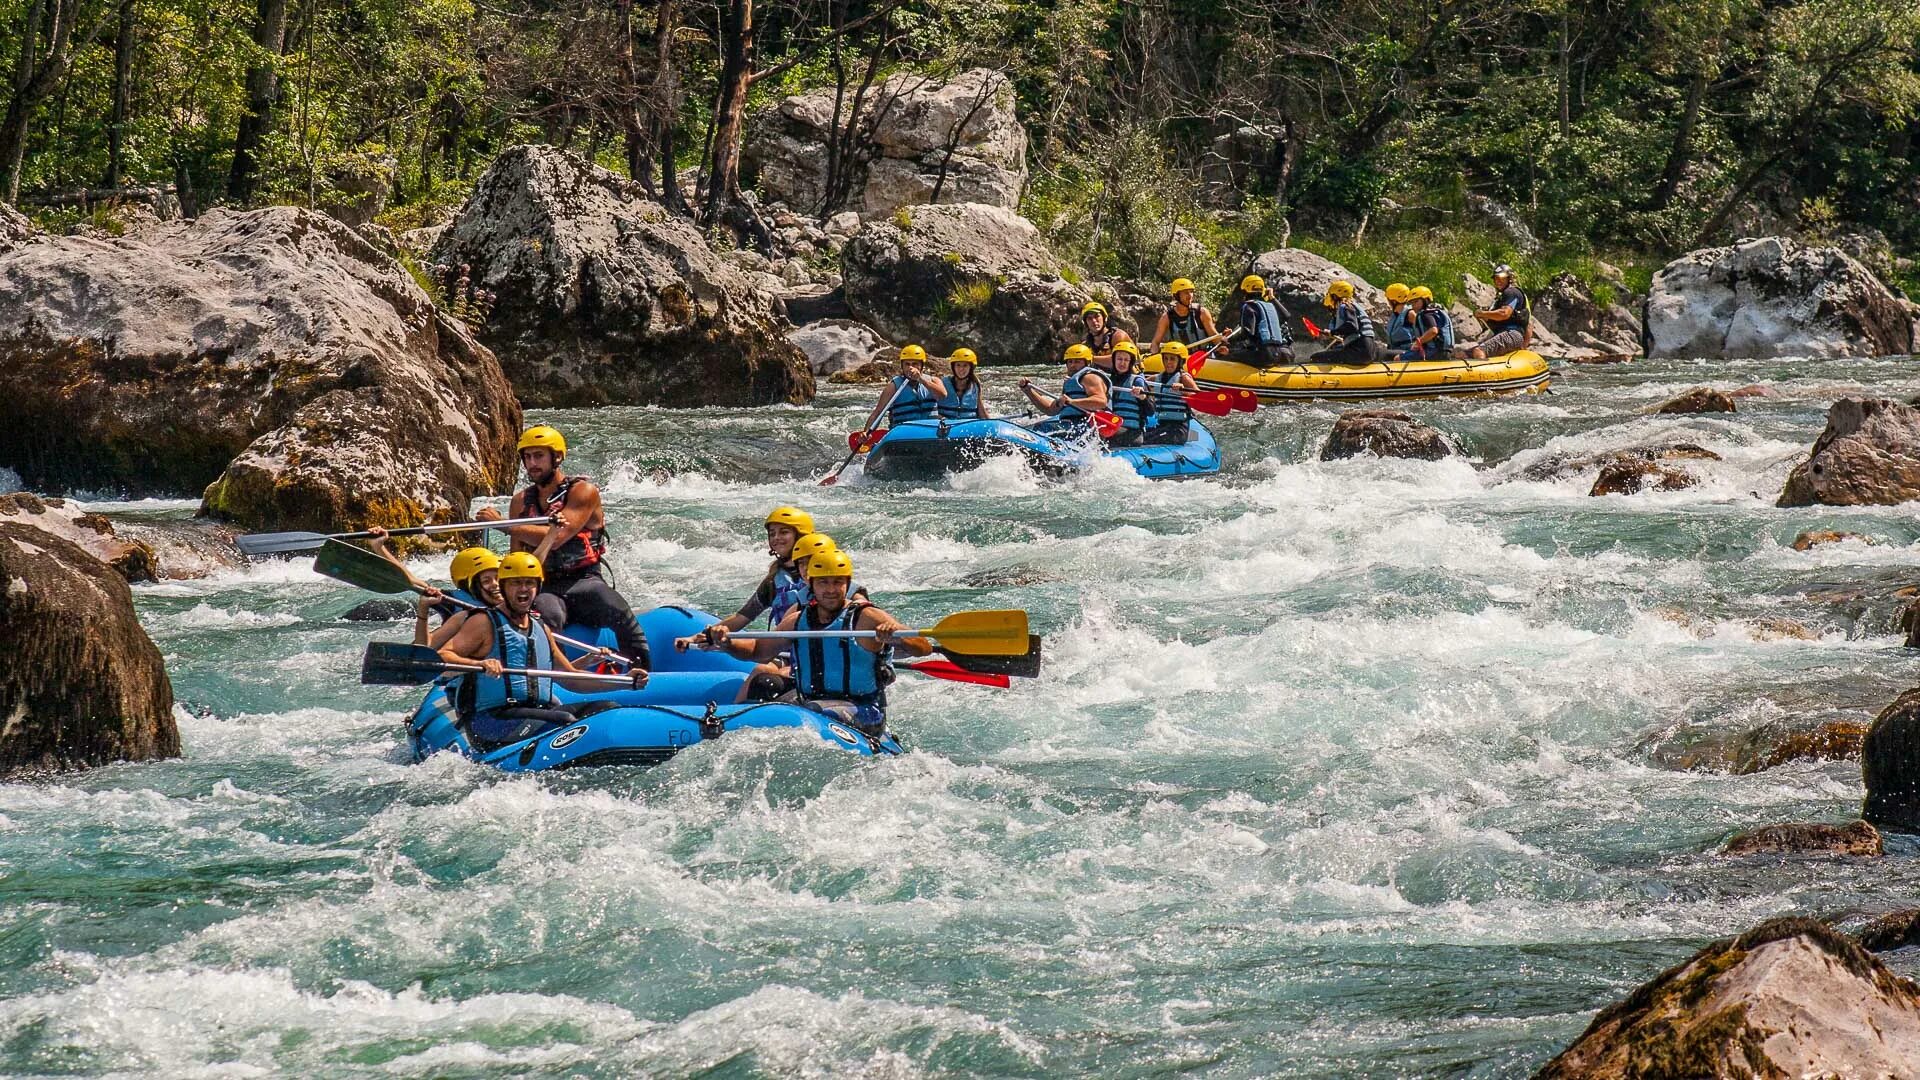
x=1085, y=391
x=571, y=549
x=497, y=706
x=1101, y=335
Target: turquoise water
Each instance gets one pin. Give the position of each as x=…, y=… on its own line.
x=1338, y=769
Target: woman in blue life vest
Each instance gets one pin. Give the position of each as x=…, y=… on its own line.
x=1167, y=374
x=475, y=574
x=1263, y=322
x=1400, y=333
x=844, y=678
x=965, y=399
x=1131, y=397
x=1354, y=339
x=1432, y=327
x=911, y=395
x=1085, y=390
x=497, y=706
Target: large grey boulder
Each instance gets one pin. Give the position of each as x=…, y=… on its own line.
x=1869, y=455
x=272, y=357
x=1299, y=280
x=910, y=130
x=972, y=275
x=1773, y=297
x=82, y=683
x=1791, y=997
x=605, y=298
x=1567, y=307
x=838, y=345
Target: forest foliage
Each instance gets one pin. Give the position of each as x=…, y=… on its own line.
x=1650, y=125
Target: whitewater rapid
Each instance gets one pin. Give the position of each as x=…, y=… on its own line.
x=1336, y=769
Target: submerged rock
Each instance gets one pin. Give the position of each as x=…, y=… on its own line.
x=273, y=358
x=1700, y=399
x=1773, y=297
x=1630, y=476
x=1869, y=455
x=1790, y=998
x=1384, y=433
x=605, y=298
x=1855, y=839
x=82, y=684
x=1564, y=466
x=1890, y=766
x=1894, y=930
x=1741, y=753
x=1807, y=541
x=378, y=611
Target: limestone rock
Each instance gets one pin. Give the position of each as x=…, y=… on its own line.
x=910, y=130
x=1384, y=433
x=1563, y=466
x=82, y=685
x=277, y=336
x=834, y=345
x=1773, y=297
x=606, y=298
x=1700, y=399
x=1504, y=218
x=1630, y=476
x=1807, y=541
x=1856, y=839
x=1299, y=280
x=92, y=533
x=1789, y=998
x=1890, y=766
x=418, y=243
x=966, y=275
x=1567, y=307
x=1869, y=455
x=878, y=371
x=15, y=228
x=1894, y=930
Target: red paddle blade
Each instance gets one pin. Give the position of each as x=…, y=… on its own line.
x=1308, y=323
x=952, y=672
x=1198, y=360
x=1214, y=404
x=1246, y=400
x=1105, y=423
x=863, y=440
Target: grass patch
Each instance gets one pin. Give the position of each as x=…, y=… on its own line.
x=1437, y=258
x=970, y=295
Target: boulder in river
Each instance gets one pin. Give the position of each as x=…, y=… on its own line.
x=1790, y=998
x=1894, y=930
x=605, y=298
x=1869, y=455
x=963, y=275
x=272, y=357
x=1743, y=752
x=1633, y=475
x=1384, y=433
x=1813, y=538
x=92, y=533
x=1856, y=839
x=1700, y=399
x=916, y=139
x=1773, y=297
x=82, y=684
x=1564, y=466
x=1890, y=766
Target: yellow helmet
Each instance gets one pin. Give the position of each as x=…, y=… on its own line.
x=830, y=564
x=1179, y=286
x=472, y=561
x=963, y=356
x=1092, y=306
x=1341, y=289
x=1398, y=293
x=1175, y=348
x=1253, y=284
x=801, y=521
x=909, y=353
x=521, y=564
x=543, y=437
x=805, y=548
x=1079, y=351
x=1420, y=292
x=1127, y=347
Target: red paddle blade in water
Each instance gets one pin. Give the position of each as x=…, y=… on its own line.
x=861, y=440
x=1245, y=400
x=952, y=672
x=1213, y=404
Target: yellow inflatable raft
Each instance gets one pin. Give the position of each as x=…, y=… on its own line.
x=1514, y=372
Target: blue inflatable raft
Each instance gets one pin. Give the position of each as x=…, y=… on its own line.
x=928, y=449
x=686, y=702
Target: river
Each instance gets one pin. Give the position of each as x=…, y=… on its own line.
x=1336, y=769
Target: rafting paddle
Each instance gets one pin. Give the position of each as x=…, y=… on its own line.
x=1212, y=403
x=392, y=663
x=1245, y=400
x=282, y=543
x=368, y=570
x=862, y=440
x=1106, y=424
x=1311, y=329
x=1197, y=359
x=952, y=672
x=968, y=633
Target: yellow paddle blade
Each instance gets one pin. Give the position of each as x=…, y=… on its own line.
x=981, y=633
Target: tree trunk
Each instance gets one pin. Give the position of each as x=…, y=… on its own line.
x=632, y=125
x=1681, y=155
x=1566, y=102
x=263, y=90
x=666, y=107
x=123, y=45
x=35, y=77
x=729, y=111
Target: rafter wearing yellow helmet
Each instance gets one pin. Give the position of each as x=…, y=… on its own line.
x=1430, y=326
x=1399, y=319
x=1355, y=341
x=1084, y=392
x=914, y=394
x=966, y=398
x=1185, y=320
x=1265, y=326
x=1101, y=333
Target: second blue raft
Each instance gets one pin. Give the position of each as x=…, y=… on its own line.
x=928, y=449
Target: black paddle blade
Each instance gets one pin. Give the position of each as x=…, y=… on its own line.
x=1025, y=666
x=394, y=663
x=280, y=543
x=362, y=568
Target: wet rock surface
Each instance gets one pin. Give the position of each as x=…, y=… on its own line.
x=1856, y=839
x=1869, y=455
x=1384, y=433
x=1890, y=766
x=1700, y=399
x=1773, y=297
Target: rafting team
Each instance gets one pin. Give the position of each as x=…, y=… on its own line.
x=1106, y=372
x=501, y=613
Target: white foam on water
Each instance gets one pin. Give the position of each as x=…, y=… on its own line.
x=208, y=617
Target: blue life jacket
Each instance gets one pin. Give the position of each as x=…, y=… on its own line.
x=484, y=693
x=912, y=401
x=958, y=406
x=1445, y=322
x=1186, y=330
x=789, y=592
x=1170, y=401
x=1131, y=410
x=1070, y=386
x=1350, y=320
x=1400, y=333
x=839, y=667
x=1267, y=325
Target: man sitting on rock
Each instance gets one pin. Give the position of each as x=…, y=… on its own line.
x=573, y=549
x=1509, y=321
